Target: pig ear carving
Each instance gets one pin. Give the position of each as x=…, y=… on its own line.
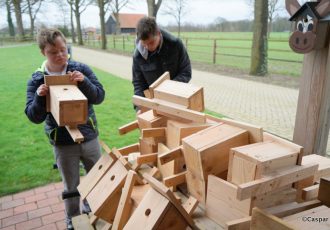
x=292, y=6
x=323, y=8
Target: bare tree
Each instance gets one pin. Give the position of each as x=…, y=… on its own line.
x=32, y=8
x=78, y=7
x=177, y=9
x=260, y=41
x=19, y=21
x=153, y=7
x=116, y=6
x=102, y=4
x=11, y=28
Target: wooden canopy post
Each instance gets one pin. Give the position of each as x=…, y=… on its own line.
x=313, y=116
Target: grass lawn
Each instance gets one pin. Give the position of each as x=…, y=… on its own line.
x=26, y=157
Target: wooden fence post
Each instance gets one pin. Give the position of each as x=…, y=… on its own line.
x=114, y=42
x=123, y=43
x=215, y=51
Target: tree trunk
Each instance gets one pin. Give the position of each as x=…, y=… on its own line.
x=31, y=18
x=102, y=22
x=73, y=33
x=79, y=32
x=10, y=20
x=153, y=7
x=259, y=46
x=19, y=21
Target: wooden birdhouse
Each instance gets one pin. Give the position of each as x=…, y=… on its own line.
x=311, y=25
x=207, y=152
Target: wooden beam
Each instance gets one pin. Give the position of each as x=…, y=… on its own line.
x=190, y=205
x=170, y=155
x=239, y=224
x=274, y=180
x=175, y=179
x=310, y=193
x=153, y=132
x=262, y=220
x=129, y=149
x=128, y=127
x=170, y=108
x=324, y=191
x=147, y=158
x=75, y=134
x=165, y=76
x=125, y=203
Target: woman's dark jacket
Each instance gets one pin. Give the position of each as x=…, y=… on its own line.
x=36, y=105
x=171, y=56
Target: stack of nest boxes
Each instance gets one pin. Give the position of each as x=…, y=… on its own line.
x=223, y=167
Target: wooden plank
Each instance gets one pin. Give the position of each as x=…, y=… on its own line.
x=129, y=149
x=311, y=129
x=170, y=108
x=147, y=93
x=107, y=150
x=324, y=191
x=75, y=134
x=165, y=76
x=89, y=181
x=82, y=222
x=153, y=132
x=166, y=192
x=172, y=181
x=190, y=205
x=124, y=207
x=311, y=192
x=168, y=168
x=59, y=80
x=147, y=158
x=239, y=224
x=261, y=220
x=323, y=162
x=275, y=180
x=170, y=155
x=221, y=203
x=128, y=127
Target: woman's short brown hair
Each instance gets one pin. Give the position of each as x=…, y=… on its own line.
x=48, y=36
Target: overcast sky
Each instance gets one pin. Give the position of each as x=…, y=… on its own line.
x=198, y=12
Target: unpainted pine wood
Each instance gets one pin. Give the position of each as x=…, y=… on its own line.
x=323, y=162
x=172, y=220
x=174, y=180
x=59, y=80
x=129, y=149
x=82, y=222
x=170, y=155
x=128, y=127
x=166, y=192
x=165, y=169
x=310, y=193
x=149, y=212
x=165, y=76
x=153, y=132
x=188, y=95
x=94, y=175
x=125, y=205
x=261, y=220
x=311, y=118
x=324, y=191
x=170, y=108
x=239, y=224
x=190, y=205
x=104, y=197
x=221, y=203
x=147, y=158
x=68, y=105
x=147, y=147
x=274, y=180
x=149, y=120
x=75, y=134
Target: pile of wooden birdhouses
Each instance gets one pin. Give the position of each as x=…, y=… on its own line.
x=192, y=170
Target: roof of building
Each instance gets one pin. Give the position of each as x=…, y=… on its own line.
x=129, y=20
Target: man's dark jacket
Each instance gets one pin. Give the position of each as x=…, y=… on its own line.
x=36, y=105
x=172, y=56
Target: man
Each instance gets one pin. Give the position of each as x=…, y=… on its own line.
x=157, y=51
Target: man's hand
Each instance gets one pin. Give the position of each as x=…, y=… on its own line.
x=76, y=76
x=42, y=90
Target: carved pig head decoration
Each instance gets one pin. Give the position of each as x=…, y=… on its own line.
x=311, y=25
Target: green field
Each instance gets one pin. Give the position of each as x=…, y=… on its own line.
x=26, y=158
x=232, y=50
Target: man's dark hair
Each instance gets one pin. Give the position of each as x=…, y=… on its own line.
x=146, y=27
x=48, y=36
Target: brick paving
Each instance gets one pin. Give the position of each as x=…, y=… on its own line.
x=39, y=208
